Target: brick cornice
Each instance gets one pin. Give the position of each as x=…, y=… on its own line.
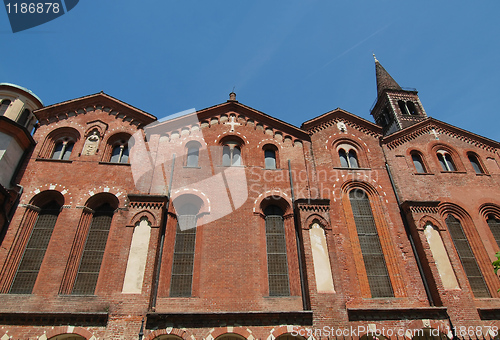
x=425, y=127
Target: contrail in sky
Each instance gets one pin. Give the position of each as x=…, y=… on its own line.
x=350, y=49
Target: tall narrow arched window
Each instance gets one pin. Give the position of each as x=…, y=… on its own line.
x=467, y=258
x=474, y=161
x=418, y=163
x=270, y=159
x=93, y=252
x=353, y=159
x=371, y=249
x=277, y=264
x=446, y=161
x=62, y=149
x=343, y=158
x=231, y=154
x=24, y=117
x=193, y=154
x=494, y=224
x=34, y=253
x=184, y=251
x=119, y=153
x=4, y=105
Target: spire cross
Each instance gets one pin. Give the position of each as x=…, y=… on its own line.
x=232, y=123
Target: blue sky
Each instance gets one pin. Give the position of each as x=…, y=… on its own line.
x=294, y=59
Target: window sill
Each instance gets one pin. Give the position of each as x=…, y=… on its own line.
x=53, y=160
x=191, y=167
x=483, y=174
x=351, y=169
x=230, y=166
x=111, y=163
x=453, y=172
x=423, y=173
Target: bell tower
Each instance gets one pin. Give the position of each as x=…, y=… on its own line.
x=396, y=108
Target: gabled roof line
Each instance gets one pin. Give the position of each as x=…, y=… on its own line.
x=324, y=119
x=413, y=131
x=274, y=122
x=95, y=95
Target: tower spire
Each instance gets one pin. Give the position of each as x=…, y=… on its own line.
x=384, y=79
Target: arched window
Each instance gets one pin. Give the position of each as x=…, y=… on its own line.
x=231, y=154
x=93, y=252
x=184, y=249
x=474, y=161
x=193, y=154
x=277, y=264
x=119, y=154
x=4, y=106
x=494, y=224
x=371, y=249
x=418, y=163
x=270, y=159
x=34, y=253
x=467, y=258
x=353, y=159
x=348, y=159
x=62, y=149
x=24, y=117
x=446, y=161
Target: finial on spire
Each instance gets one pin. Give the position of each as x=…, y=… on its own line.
x=375, y=58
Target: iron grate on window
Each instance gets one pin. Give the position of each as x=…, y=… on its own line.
x=34, y=253
x=277, y=264
x=471, y=268
x=90, y=263
x=183, y=262
x=494, y=225
x=371, y=249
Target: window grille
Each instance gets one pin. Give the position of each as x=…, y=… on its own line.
x=277, y=264
x=467, y=258
x=494, y=225
x=183, y=263
x=90, y=263
x=35, y=250
x=371, y=249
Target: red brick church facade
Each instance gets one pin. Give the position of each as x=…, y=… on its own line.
x=227, y=223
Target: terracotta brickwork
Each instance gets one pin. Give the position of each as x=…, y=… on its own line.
x=170, y=229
